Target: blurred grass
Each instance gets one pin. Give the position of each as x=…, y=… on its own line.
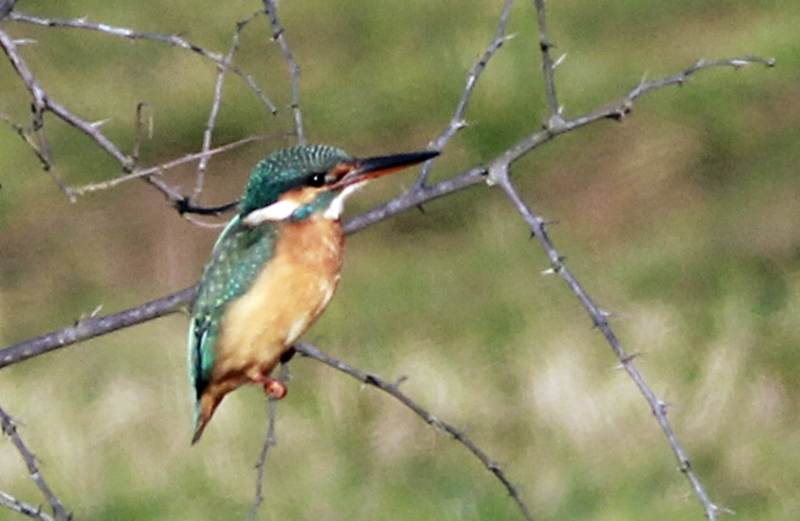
x=682, y=221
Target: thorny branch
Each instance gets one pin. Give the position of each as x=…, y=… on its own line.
x=43, y=103
x=173, y=195
x=458, y=122
x=261, y=465
x=393, y=389
x=492, y=171
x=548, y=65
x=600, y=319
x=59, y=512
x=278, y=34
x=26, y=509
x=215, y=106
x=495, y=171
x=171, y=39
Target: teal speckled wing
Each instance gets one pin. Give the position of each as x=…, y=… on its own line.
x=236, y=260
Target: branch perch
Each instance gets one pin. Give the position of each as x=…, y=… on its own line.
x=496, y=171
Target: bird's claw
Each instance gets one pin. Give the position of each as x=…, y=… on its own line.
x=275, y=389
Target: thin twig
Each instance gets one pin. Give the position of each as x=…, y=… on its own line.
x=26, y=509
x=171, y=39
x=681, y=77
x=269, y=441
x=43, y=102
x=457, y=122
x=278, y=34
x=40, y=152
x=394, y=391
x=548, y=66
x=10, y=430
x=215, y=106
x=143, y=112
x=162, y=167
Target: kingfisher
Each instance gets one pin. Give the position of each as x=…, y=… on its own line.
x=274, y=268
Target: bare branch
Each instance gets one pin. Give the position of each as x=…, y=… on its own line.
x=394, y=391
x=422, y=194
x=96, y=326
x=41, y=152
x=548, y=66
x=615, y=110
x=600, y=320
x=173, y=196
x=269, y=441
x=409, y=200
x=143, y=112
x=171, y=39
x=60, y=513
x=294, y=70
x=457, y=122
x=43, y=102
x=496, y=170
x=215, y=106
x=681, y=77
x=26, y=509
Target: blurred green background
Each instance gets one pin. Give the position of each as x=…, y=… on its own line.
x=682, y=220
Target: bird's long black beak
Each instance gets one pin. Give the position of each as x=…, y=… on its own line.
x=373, y=167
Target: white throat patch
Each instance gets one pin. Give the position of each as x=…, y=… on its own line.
x=277, y=211
x=285, y=208
x=335, y=209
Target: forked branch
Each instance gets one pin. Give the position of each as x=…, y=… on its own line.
x=496, y=171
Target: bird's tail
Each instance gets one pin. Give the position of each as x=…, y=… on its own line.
x=203, y=411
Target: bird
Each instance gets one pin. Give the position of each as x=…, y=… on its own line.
x=274, y=268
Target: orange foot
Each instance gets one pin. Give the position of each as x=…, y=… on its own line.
x=274, y=388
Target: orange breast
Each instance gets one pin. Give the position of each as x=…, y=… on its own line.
x=284, y=301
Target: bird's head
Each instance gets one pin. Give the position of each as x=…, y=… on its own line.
x=297, y=182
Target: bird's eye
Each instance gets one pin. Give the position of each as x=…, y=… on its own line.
x=317, y=179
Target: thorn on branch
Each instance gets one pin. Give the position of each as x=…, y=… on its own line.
x=84, y=316
x=600, y=318
x=99, y=123
x=627, y=359
x=433, y=420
